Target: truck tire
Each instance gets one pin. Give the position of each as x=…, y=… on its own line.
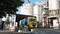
x=29, y=29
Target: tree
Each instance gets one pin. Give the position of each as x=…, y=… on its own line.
x=9, y=6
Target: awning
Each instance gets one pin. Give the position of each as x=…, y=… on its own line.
x=20, y=17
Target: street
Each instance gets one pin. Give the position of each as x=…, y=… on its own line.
x=37, y=31
x=46, y=31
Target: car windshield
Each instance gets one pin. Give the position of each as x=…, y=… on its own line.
x=33, y=20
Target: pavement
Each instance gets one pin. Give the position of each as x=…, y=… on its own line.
x=9, y=32
x=46, y=31
x=13, y=33
x=5, y=31
x=36, y=31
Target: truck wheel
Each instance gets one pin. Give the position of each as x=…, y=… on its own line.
x=29, y=29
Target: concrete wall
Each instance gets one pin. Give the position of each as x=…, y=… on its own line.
x=37, y=10
x=27, y=9
x=53, y=4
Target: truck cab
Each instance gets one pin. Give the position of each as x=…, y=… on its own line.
x=32, y=22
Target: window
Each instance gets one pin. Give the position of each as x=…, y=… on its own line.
x=33, y=20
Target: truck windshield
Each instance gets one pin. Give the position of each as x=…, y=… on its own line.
x=33, y=20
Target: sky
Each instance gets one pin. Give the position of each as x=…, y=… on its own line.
x=31, y=1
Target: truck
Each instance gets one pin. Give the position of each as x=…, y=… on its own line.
x=30, y=22
x=26, y=21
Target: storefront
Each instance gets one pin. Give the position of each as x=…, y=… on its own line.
x=53, y=22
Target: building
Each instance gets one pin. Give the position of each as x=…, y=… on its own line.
x=27, y=9
x=53, y=13
x=38, y=8
x=35, y=10
x=9, y=22
x=44, y=13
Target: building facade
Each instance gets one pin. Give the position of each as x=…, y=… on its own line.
x=44, y=13
x=27, y=9
x=53, y=12
x=38, y=8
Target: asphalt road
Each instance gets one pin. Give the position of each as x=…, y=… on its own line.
x=37, y=31
x=46, y=31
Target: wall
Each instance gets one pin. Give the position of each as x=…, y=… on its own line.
x=53, y=4
x=27, y=9
x=38, y=8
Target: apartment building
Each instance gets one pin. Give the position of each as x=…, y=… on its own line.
x=37, y=11
x=53, y=18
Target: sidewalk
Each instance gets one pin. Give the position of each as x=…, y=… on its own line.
x=5, y=31
x=15, y=32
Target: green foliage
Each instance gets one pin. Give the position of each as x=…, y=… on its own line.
x=9, y=6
